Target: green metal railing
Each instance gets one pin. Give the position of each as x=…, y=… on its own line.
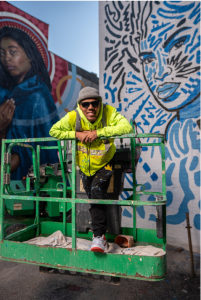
x=129, y=266
x=28, y=195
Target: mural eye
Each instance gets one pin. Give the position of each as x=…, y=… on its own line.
x=178, y=44
x=148, y=60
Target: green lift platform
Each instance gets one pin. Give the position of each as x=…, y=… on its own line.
x=59, y=194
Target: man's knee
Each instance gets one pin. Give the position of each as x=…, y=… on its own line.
x=97, y=192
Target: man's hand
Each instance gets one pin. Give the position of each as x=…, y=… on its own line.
x=90, y=136
x=80, y=136
x=7, y=110
x=86, y=136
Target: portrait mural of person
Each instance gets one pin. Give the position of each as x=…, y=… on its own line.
x=37, y=87
x=150, y=71
x=172, y=63
x=25, y=80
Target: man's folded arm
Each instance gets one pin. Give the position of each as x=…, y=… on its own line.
x=62, y=129
x=118, y=125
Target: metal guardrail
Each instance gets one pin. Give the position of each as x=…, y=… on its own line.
x=7, y=193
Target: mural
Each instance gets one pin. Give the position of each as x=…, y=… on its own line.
x=150, y=71
x=37, y=87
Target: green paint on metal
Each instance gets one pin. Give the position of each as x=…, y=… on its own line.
x=19, y=207
x=20, y=232
x=61, y=199
x=136, y=267
x=95, y=201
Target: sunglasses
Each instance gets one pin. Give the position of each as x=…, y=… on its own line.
x=87, y=104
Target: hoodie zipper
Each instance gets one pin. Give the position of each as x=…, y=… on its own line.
x=89, y=159
x=89, y=154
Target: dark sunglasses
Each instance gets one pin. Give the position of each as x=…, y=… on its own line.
x=87, y=104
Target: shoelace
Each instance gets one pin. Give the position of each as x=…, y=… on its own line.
x=99, y=240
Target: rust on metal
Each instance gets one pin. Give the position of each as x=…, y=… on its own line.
x=137, y=275
x=150, y=277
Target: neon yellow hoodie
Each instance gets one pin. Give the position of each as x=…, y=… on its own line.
x=90, y=157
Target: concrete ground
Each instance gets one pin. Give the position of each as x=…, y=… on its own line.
x=24, y=282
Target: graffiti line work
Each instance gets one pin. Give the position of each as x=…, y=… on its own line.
x=151, y=72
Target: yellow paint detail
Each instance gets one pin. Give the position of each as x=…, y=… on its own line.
x=111, y=185
x=117, y=166
x=67, y=77
x=108, y=167
x=81, y=186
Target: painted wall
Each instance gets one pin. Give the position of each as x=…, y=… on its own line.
x=150, y=71
x=48, y=90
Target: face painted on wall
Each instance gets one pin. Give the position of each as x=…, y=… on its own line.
x=14, y=58
x=171, y=62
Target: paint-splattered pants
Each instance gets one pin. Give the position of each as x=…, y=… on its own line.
x=96, y=188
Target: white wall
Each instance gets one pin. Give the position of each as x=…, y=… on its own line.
x=150, y=71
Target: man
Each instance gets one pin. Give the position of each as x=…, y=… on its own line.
x=94, y=156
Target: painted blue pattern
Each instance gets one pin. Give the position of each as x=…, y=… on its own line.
x=169, y=196
x=169, y=171
x=197, y=219
x=163, y=95
x=197, y=178
x=180, y=216
x=194, y=163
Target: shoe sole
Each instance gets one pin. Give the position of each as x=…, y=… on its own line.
x=97, y=250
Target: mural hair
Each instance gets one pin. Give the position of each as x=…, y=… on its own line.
x=37, y=64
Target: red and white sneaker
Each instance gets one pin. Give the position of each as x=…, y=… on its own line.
x=99, y=244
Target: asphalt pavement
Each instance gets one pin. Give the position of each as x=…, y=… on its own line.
x=24, y=282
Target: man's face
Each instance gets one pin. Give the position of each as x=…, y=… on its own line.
x=90, y=108
x=171, y=65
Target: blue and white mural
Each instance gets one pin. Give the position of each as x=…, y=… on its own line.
x=150, y=71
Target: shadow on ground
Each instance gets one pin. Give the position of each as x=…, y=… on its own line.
x=22, y=281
